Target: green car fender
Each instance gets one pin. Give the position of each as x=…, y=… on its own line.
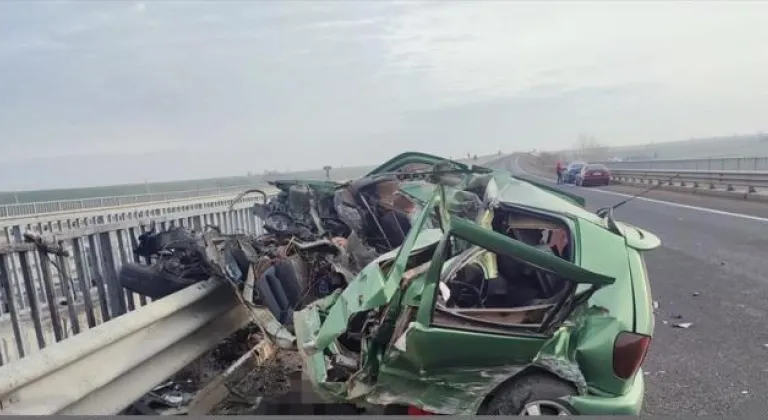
x=463, y=391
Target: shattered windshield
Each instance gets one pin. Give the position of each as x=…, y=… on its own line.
x=426, y=172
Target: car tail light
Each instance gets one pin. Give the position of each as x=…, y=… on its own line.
x=416, y=411
x=629, y=351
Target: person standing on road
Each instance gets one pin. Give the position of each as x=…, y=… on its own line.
x=559, y=169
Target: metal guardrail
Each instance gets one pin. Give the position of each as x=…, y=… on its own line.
x=744, y=163
x=73, y=341
x=44, y=207
x=44, y=298
x=105, y=369
x=751, y=180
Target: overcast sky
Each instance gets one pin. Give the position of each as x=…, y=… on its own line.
x=113, y=92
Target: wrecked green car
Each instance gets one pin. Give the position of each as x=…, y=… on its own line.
x=531, y=306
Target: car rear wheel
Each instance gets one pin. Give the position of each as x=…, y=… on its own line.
x=532, y=395
x=545, y=408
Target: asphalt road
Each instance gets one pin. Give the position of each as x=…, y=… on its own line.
x=712, y=271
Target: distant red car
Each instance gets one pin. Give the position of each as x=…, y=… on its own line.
x=593, y=174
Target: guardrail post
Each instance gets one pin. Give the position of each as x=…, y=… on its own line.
x=34, y=306
x=94, y=269
x=730, y=188
x=752, y=190
x=114, y=290
x=50, y=295
x=136, y=259
x=83, y=281
x=124, y=257
x=69, y=292
x=13, y=308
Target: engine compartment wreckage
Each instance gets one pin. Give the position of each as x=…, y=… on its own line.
x=433, y=286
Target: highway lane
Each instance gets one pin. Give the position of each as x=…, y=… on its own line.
x=712, y=271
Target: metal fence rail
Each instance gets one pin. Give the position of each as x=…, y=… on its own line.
x=45, y=299
x=45, y=207
x=744, y=163
x=750, y=180
x=105, y=369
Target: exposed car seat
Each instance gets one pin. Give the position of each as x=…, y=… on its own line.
x=280, y=290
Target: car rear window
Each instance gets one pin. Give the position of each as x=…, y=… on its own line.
x=577, y=165
x=596, y=167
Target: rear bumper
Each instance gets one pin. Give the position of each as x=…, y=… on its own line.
x=628, y=404
x=596, y=181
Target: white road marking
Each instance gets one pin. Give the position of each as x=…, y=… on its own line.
x=651, y=200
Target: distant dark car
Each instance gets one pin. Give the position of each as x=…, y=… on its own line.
x=593, y=174
x=573, y=169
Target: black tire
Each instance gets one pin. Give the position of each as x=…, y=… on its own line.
x=541, y=388
x=395, y=410
x=149, y=281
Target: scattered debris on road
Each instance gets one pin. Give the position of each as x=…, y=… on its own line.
x=233, y=378
x=684, y=325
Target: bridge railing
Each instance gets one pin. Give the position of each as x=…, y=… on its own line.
x=743, y=163
x=44, y=298
x=750, y=181
x=47, y=207
x=72, y=340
